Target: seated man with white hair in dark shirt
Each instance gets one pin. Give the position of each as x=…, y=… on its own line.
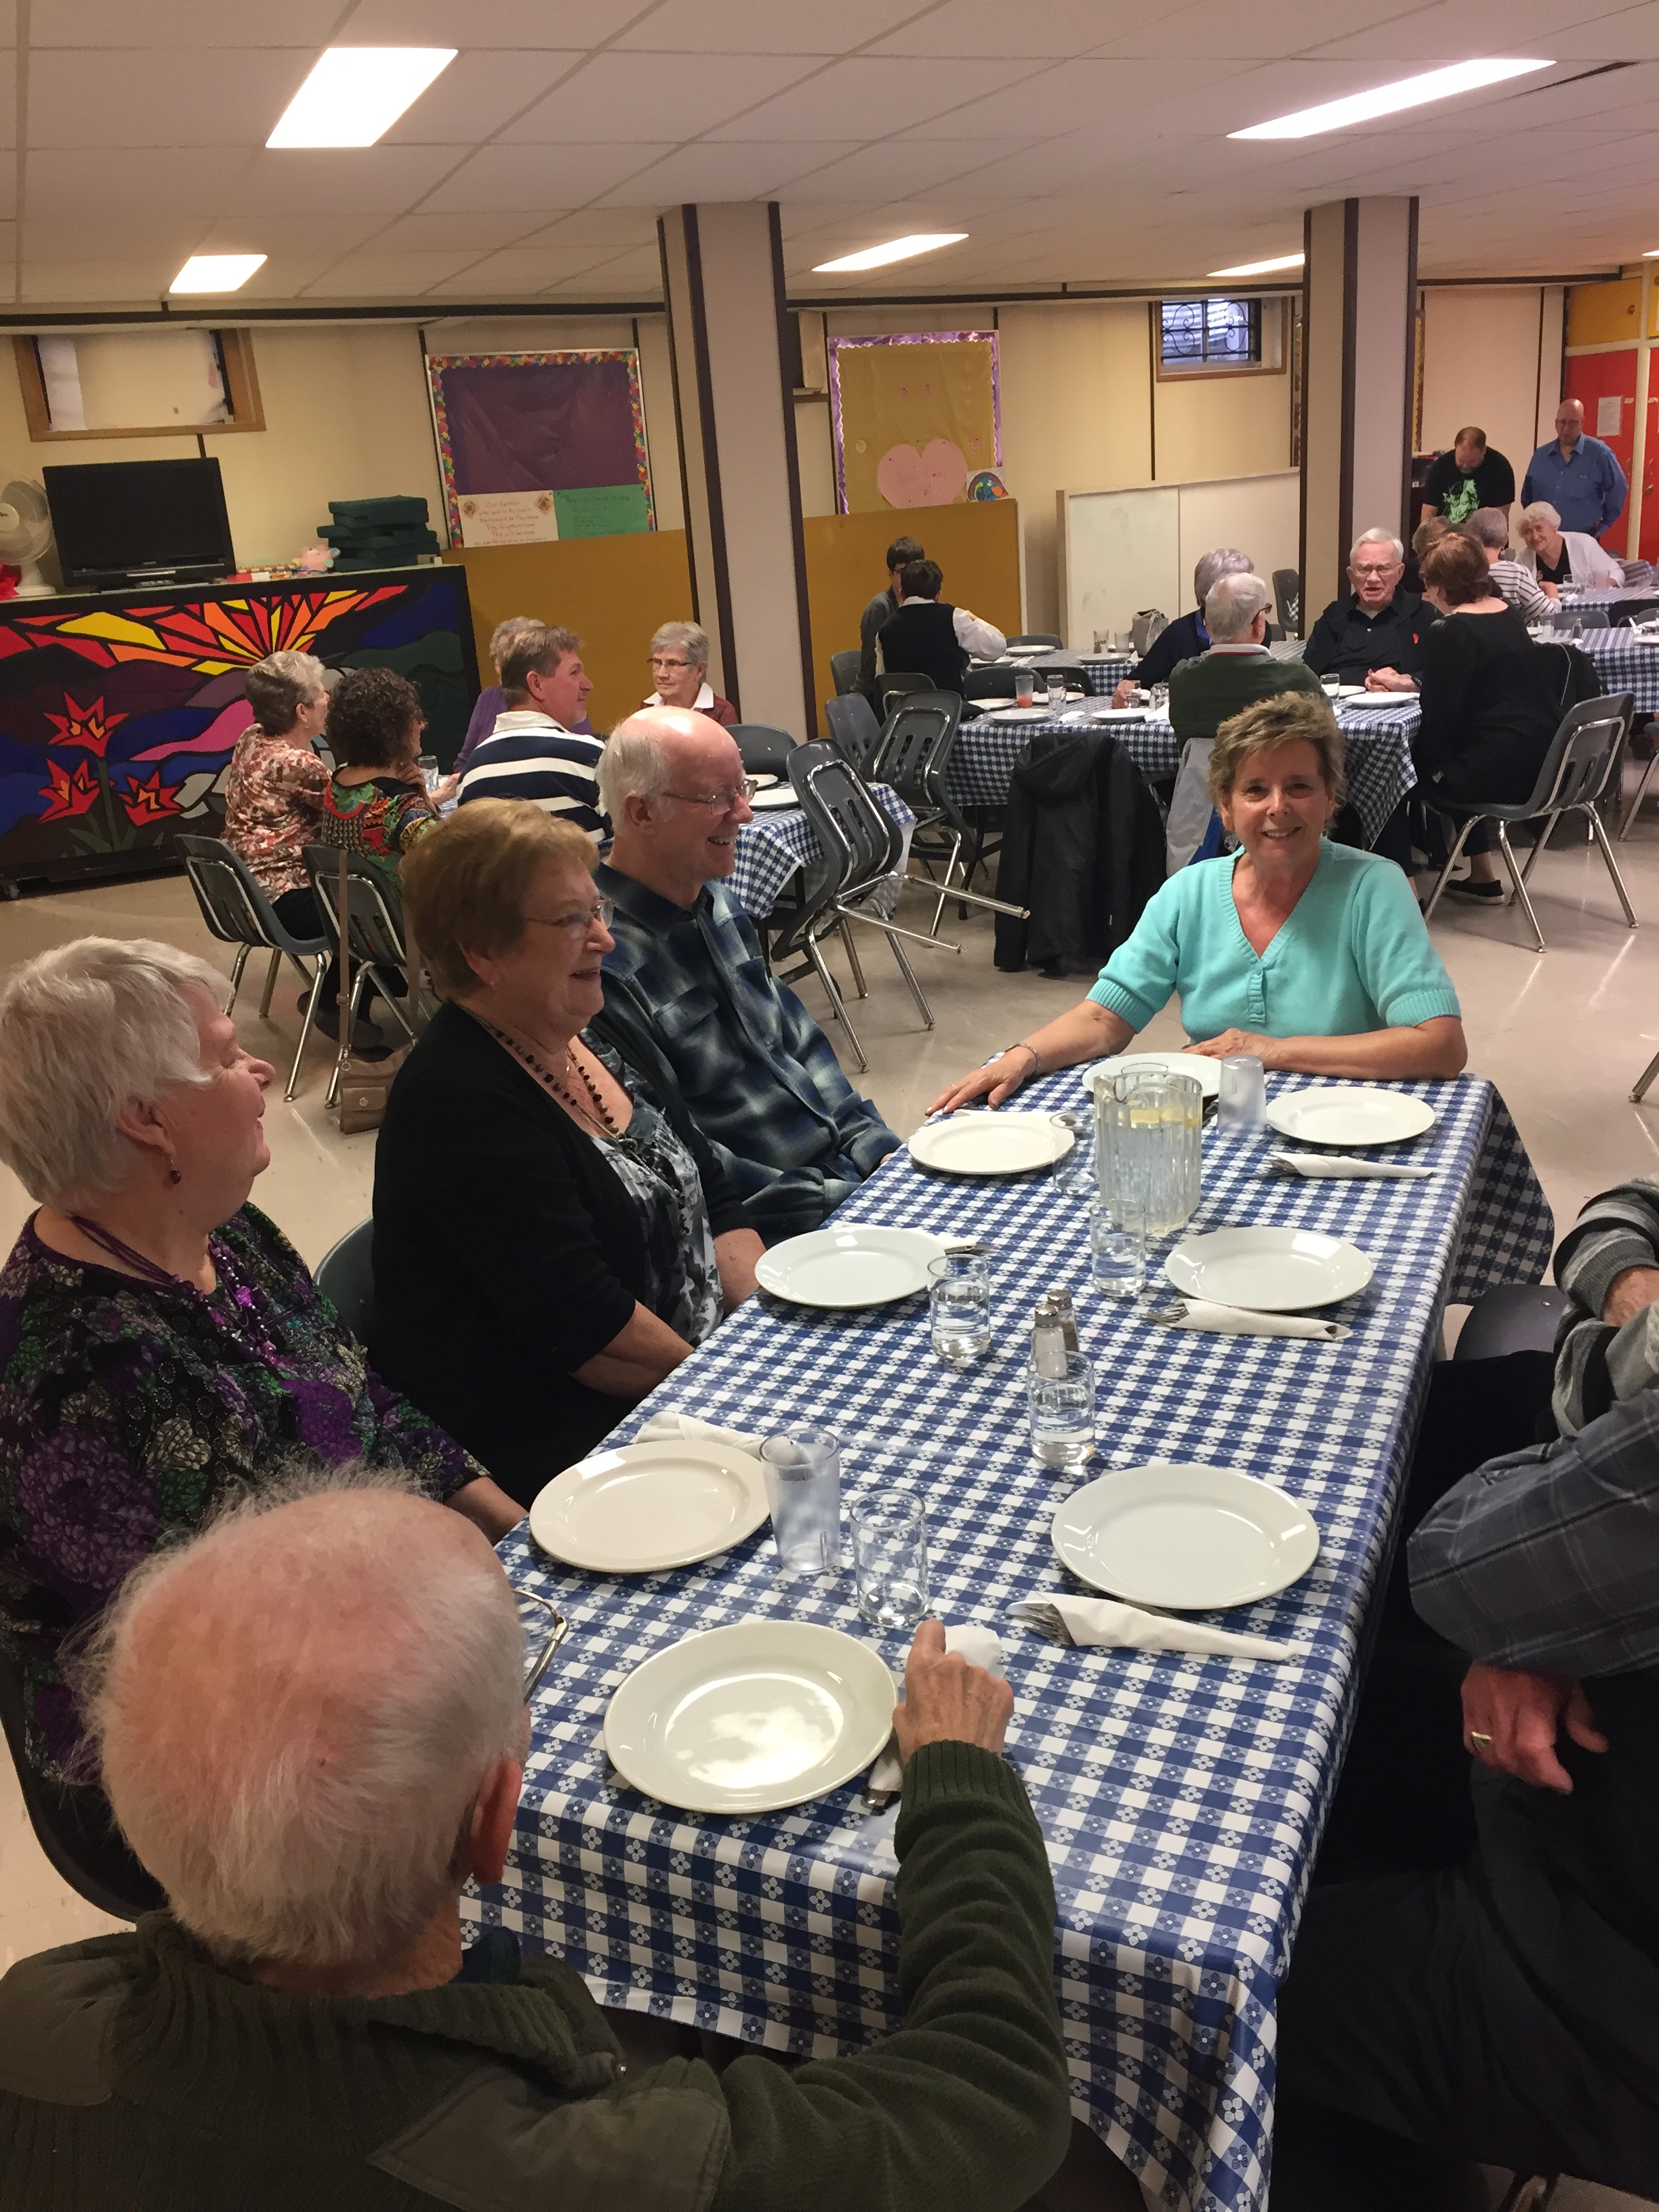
x=312, y=1725
x=1480, y=1980
x=1373, y=636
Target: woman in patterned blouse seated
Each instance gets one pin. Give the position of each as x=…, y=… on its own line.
x=160, y=1341
x=376, y=802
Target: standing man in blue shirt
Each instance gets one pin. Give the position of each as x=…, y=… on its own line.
x=1579, y=476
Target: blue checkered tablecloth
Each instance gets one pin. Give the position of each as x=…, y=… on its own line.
x=774, y=845
x=1626, y=663
x=1181, y=1797
x=1104, y=673
x=1380, y=771
x=1575, y=602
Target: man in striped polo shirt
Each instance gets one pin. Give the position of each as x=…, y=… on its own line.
x=532, y=753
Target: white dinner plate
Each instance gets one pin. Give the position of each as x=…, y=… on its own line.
x=861, y=1265
x=641, y=1507
x=1014, y=714
x=1326, y=1115
x=985, y=1143
x=1268, y=1270
x=763, y=780
x=1206, y=1072
x=775, y=801
x=1120, y=713
x=751, y=1717
x=1189, y=1538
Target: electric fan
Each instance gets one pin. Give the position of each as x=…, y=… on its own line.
x=25, y=534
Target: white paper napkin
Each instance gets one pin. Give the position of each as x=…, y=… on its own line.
x=671, y=1428
x=1345, y=1164
x=1240, y=1321
x=1103, y=1620
x=980, y=1647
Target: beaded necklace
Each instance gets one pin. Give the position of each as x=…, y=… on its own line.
x=596, y=1112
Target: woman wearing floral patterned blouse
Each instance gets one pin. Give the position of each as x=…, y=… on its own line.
x=274, y=797
x=160, y=1341
x=377, y=802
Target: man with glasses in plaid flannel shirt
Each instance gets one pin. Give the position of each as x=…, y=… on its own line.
x=759, y=1075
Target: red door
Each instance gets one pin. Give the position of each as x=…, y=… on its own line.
x=1650, y=545
x=1606, y=382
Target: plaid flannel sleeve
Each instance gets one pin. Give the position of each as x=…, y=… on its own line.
x=1597, y=1364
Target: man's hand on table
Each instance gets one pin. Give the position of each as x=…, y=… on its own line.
x=1125, y=694
x=1519, y=1716
x=947, y=1700
x=1390, y=679
x=1629, y=1292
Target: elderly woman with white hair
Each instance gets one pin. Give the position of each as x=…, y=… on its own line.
x=1557, y=556
x=161, y=1340
x=679, y=668
x=1186, y=637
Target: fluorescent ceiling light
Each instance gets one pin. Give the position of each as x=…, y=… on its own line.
x=1389, y=99
x=896, y=249
x=1262, y=268
x=215, y=272
x=356, y=93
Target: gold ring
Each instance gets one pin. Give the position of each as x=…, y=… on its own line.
x=1481, y=1742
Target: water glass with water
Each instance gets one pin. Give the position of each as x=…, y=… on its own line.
x=1074, y=1173
x=1024, y=686
x=1056, y=681
x=959, y=1306
x=803, y=1488
x=1062, y=1413
x=1242, y=1102
x=1117, y=1254
x=431, y=775
x=889, y=1557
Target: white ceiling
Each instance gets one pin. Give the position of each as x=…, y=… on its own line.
x=1076, y=141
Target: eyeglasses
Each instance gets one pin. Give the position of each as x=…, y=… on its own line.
x=576, y=926
x=722, y=801
x=557, y=1628
x=667, y=660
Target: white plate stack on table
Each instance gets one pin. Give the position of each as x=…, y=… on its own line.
x=1268, y=1270
x=981, y=1142
x=1327, y=1114
x=778, y=799
x=864, y=1265
x=642, y=1508
x=1184, y=1538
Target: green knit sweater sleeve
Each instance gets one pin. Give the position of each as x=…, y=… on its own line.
x=966, y=2106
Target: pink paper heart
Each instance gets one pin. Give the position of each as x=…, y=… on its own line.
x=932, y=477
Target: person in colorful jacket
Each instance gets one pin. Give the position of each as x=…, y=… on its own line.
x=274, y=798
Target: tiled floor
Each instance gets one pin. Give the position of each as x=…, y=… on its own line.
x=1564, y=1034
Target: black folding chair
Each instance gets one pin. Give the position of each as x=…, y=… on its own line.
x=1516, y=1317
x=1632, y=614
x=854, y=728
x=915, y=757
x=1580, y=765
x=236, y=910
x=765, y=751
x=900, y=683
x=844, y=671
x=1034, y=637
x=345, y=1276
x=1287, y=597
x=375, y=942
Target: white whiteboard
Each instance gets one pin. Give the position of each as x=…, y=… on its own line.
x=1137, y=546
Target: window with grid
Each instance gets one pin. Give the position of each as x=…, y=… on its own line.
x=1210, y=334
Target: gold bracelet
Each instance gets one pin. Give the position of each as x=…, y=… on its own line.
x=1021, y=1045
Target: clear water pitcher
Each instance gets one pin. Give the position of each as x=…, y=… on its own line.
x=1148, y=1153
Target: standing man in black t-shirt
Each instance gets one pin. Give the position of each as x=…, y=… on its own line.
x=1474, y=474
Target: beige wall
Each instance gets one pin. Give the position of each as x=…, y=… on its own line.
x=1223, y=425
x=1480, y=364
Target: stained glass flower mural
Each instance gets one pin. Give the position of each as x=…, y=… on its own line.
x=84, y=725
x=149, y=801
x=71, y=791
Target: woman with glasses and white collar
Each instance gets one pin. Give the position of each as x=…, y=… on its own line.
x=552, y=1235
x=679, y=668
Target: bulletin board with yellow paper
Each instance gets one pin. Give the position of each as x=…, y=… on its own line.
x=917, y=420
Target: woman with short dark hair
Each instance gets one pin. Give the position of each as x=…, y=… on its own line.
x=377, y=802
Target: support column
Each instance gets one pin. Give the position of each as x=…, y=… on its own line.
x=1358, y=301
x=723, y=284
x=1638, y=445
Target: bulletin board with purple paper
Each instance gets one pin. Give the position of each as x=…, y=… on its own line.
x=538, y=445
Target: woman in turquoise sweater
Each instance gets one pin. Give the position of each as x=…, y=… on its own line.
x=1310, y=955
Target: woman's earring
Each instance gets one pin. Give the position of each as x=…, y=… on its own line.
x=174, y=1175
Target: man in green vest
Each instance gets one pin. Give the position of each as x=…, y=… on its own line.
x=311, y=1724
x=1238, y=669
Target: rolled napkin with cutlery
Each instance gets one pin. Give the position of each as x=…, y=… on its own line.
x=980, y=1647
x=686, y=1428
x=1240, y=1321
x=1103, y=1620
x=1342, y=1164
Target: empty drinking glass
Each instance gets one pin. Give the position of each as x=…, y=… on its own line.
x=1074, y=1174
x=959, y=1306
x=431, y=774
x=1056, y=678
x=889, y=1557
x=803, y=1488
x=1117, y=1254
x=1062, y=1413
x=1242, y=1102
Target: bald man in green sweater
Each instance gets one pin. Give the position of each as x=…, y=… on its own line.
x=1238, y=669
x=311, y=1724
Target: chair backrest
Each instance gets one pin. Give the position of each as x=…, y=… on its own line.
x=345, y=1276
x=849, y=819
x=915, y=749
x=993, y=682
x=1150, y=623
x=1628, y=614
x=844, y=670
x=765, y=751
x=899, y=683
x=1582, y=755
x=1637, y=571
x=377, y=906
x=229, y=898
x=854, y=727
x=1287, y=597
x=1037, y=637
x=99, y=1868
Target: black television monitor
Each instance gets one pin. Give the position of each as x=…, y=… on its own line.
x=139, y=522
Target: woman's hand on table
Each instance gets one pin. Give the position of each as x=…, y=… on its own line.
x=1083, y=1032
x=947, y=1699
x=445, y=789
x=1517, y=1717
x=1434, y=1050
x=1000, y=1078
x=1231, y=1042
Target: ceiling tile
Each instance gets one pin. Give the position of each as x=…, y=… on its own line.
x=179, y=25
x=719, y=172
x=147, y=181
x=1221, y=28
x=224, y=96
x=388, y=276
x=1056, y=27
x=332, y=230
x=635, y=275
x=926, y=167
x=362, y=180
x=443, y=233
x=514, y=25
x=597, y=226
x=522, y=271
x=476, y=94
x=873, y=98
x=663, y=96
x=538, y=178
x=1111, y=99
x=1453, y=30
x=110, y=236
x=764, y=27
x=139, y=281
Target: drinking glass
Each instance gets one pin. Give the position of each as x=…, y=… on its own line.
x=431, y=774
x=1242, y=1102
x=1148, y=1128
x=889, y=1557
x=1160, y=698
x=959, y=1303
x=1117, y=1254
x=1025, y=685
x=1330, y=685
x=1074, y=1175
x=1062, y=1413
x=1056, y=680
x=803, y=1488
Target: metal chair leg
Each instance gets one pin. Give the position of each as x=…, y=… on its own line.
x=846, y=934
x=909, y=975
x=1539, y=844
x=1644, y=1079
x=1452, y=858
x=838, y=1005
x=1641, y=793
x=307, y=1025
x=347, y=1031
x=393, y=1000
x=1598, y=831
x=945, y=886
x=242, y=951
x=271, y=984
x=1516, y=879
